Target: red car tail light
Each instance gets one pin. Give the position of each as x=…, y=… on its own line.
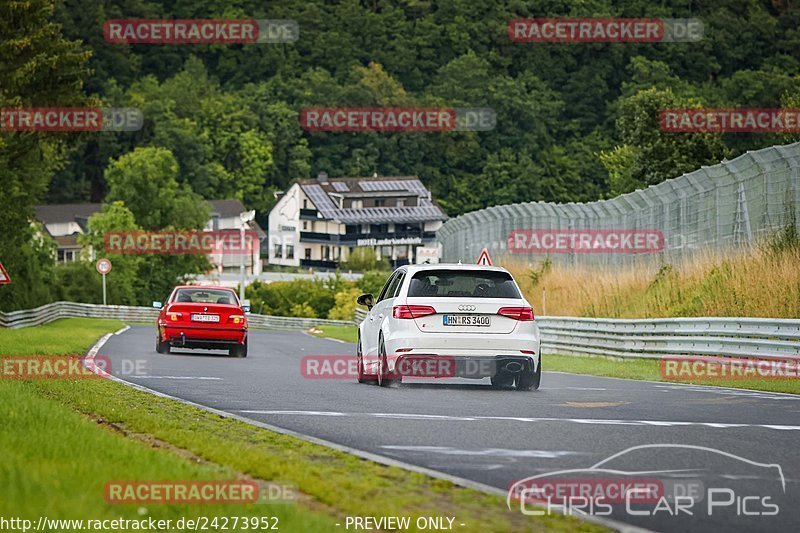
x=237, y=319
x=522, y=314
x=412, y=311
x=174, y=317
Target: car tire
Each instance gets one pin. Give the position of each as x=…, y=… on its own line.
x=238, y=350
x=530, y=380
x=162, y=347
x=363, y=377
x=383, y=379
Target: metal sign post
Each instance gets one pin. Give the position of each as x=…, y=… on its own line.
x=245, y=217
x=103, y=266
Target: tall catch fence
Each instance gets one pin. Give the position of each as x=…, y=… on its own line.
x=724, y=206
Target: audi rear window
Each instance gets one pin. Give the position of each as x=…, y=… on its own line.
x=462, y=283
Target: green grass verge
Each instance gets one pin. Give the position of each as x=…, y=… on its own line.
x=649, y=369
x=64, y=439
x=646, y=369
x=342, y=333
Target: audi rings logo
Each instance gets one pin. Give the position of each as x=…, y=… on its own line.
x=466, y=307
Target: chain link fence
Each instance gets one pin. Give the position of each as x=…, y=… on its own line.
x=731, y=204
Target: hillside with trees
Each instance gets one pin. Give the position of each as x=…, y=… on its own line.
x=575, y=122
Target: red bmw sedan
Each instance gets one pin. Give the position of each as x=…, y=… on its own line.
x=210, y=318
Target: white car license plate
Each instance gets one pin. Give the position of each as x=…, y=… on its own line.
x=205, y=318
x=467, y=320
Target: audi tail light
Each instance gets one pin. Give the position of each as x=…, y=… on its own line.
x=522, y=314
x=412, y=311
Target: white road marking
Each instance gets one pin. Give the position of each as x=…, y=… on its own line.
x=122, y=330
x=492, y=452
x=176, y=377
x=571, y=388
x=587, y=421
x=765, y=395
x=459, y=481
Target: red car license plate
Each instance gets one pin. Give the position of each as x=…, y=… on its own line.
x=205, y=318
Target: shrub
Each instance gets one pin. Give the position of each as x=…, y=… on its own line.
x=363, y=259
x=302, y=310
x=345, y=306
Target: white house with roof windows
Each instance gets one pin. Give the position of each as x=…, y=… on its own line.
x=318, y=222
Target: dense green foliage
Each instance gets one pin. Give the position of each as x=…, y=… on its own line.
x=229, y=114
x=37, y=67
x=575, y=122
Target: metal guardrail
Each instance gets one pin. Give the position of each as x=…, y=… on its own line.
x=635, y=339
x=654, y=338
x=54, y=311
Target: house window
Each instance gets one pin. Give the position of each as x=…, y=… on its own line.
x=305, y=204
x=357, y=204
x=66, y=256
x=380, y=202
x=326, y=253
x=308, y=253
x=305, y=225
x=289, y=251
x=278, y=251
x=401, y=202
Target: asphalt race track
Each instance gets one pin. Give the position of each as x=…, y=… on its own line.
x=496, y=437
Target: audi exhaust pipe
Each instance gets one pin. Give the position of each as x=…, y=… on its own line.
x=512, y=367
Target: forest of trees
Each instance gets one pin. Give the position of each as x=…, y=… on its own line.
x=575, y=122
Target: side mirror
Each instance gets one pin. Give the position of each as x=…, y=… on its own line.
x=157, y=305
x=366, y=299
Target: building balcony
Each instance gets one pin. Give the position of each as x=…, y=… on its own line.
x=311, y=236
x=351, y=239
x=308, y=214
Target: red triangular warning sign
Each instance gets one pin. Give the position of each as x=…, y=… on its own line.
x=484, y=258
x=3, y=276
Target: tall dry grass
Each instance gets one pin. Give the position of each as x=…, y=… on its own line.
x=759, y=282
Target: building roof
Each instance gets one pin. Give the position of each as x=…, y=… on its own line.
x=60, y=213
x=319, y=192
x=227, y=208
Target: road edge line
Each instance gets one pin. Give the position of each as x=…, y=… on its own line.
x=458, y=481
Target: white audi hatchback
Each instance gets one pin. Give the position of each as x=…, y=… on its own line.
x=449, y=321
